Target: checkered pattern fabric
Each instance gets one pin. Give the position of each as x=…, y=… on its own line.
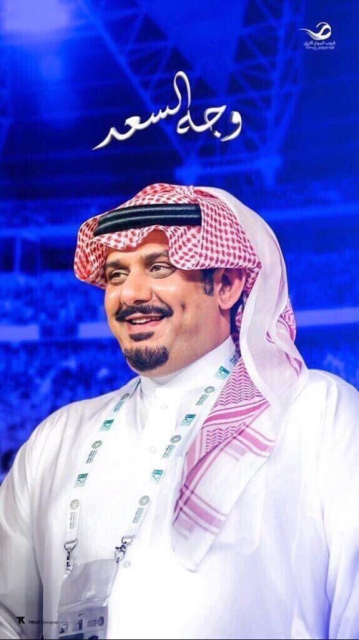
x=219, y=242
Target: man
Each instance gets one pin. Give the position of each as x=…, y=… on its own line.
x=216, y=495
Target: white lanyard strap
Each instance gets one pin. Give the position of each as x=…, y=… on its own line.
x=97, y=442
x=162, y=462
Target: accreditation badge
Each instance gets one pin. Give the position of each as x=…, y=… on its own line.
x=83, y=607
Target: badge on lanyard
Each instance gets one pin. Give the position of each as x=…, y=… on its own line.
x=86, y=618
x=86, y=589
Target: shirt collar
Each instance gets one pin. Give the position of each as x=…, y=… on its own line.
x=190, y=377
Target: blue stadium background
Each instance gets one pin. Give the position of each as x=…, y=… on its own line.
x=71, y=69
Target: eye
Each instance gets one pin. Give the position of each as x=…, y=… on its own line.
x=162, y=269
x=115, y=275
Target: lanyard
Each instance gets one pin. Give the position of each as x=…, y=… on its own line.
x=162, y=462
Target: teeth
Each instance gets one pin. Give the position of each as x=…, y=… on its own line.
x=143, y=320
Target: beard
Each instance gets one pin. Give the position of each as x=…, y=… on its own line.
x=146, y=358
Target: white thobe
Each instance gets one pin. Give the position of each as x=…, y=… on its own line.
x=284, y=565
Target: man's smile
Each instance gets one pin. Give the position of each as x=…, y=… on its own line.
x=137, y=325
x=165, y=317
x=142, y=318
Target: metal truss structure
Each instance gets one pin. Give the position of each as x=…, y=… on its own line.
x=264, y=82
x=140, y=48
x=267, y=59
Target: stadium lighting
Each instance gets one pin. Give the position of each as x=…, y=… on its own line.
x=34, y=16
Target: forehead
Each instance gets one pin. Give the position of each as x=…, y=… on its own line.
x=156, y=241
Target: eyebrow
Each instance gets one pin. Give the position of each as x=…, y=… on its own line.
x=147, y=260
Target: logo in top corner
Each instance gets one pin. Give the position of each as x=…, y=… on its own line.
x=320, y=38
x=323, y=34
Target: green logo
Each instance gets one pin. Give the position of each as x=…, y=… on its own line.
x=157, y=474
x=188, y=419
x=107, y=425
x=222, y=373
x=81, y=479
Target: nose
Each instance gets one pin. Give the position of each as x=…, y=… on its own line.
x=135, y=289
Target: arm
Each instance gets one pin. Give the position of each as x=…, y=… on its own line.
x=20, y=584
x=339, y=480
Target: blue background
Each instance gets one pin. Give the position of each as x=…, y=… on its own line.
x=71, y=69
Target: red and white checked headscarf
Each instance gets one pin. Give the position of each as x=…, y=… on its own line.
x=240, y=432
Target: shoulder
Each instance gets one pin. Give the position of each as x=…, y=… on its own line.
x=325, y=394
x=333, y=431
x=325, y=414
x=323, y=419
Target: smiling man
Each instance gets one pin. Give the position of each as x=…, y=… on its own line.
x=157, y=312
x=216, y=495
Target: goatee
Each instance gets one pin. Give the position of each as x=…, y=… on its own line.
x=146, y=358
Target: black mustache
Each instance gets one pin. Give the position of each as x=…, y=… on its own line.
x=145, y=309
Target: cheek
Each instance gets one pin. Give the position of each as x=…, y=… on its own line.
x=193, y=313
x=200, y=312
x=111, y=301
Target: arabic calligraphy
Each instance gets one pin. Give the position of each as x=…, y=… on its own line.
x=211, y=117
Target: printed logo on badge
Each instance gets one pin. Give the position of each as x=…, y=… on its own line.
x=209, y=389
x=176, y=439
x=107, y=425
x=74, y=504
x=188, y=419
x=157, y=475
x=97, y=444
x=81, y=479
x=222, y=373
x=144, y=501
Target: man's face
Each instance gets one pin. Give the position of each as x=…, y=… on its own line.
x=161, y=315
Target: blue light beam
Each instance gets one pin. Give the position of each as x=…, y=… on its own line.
x=34, y=16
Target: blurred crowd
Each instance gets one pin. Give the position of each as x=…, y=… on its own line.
x=43, y=376
x=323, y=280
x=295, y=194
x=41, y=212
x=53, y=299
x=58, y=302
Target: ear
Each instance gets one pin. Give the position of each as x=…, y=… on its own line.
x=229, y=284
